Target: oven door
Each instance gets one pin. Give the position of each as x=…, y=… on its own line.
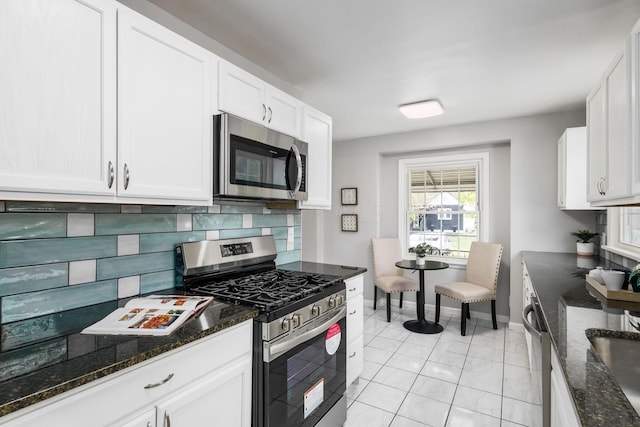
x=305, y=379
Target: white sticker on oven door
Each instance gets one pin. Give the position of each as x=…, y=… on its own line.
x=332, y=342
x=313, y=397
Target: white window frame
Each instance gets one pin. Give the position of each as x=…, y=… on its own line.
x=613, y=241
x=481, y=159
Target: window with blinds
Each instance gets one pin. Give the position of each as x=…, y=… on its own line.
x=443, y=205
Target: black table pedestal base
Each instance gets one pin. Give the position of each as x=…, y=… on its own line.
x=423, y=326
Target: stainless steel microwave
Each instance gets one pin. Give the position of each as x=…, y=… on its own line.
x=253, y=161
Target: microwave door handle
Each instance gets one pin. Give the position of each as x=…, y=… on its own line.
x=292, y=191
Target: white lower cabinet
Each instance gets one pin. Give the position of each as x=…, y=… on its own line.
x=205, y=381
x=563, y=412
x=355, y=327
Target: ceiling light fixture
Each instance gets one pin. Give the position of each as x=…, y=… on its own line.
x=422, y=109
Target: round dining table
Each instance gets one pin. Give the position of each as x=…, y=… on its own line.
x=422, y=325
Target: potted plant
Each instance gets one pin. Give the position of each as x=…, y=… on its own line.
x=422, y=250
x=583, y=245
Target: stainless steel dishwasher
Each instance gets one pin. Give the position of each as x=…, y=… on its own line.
x=541, y=356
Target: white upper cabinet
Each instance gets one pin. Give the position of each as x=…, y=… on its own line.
x=317, y=132
x=635, y=109
x=164, y=113
x=58, y=98
x=244, y=95
x=609, y=131
x=572, y=169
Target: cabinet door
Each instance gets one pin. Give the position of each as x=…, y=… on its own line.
x=223, y=397
x=164, y=113
x=618, y=128
x=58, y=103
x=562, y=411
x=317, y=132
x=241, y=93
x=355, y=359
x=596, y=143
x=283, y=112
x=635, y=109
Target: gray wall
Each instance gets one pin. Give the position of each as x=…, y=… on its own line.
x=523, y=195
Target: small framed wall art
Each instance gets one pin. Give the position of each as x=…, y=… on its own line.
x=349, y=222
x=349, y=196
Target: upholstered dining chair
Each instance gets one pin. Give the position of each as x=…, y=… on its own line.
x=387, y=277
x=483, y=266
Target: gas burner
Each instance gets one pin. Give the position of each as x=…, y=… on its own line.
x=267, y=290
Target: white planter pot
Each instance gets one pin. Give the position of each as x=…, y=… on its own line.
x=585, y=249
x=420, y=260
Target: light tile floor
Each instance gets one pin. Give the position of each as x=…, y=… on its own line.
x=409, y=379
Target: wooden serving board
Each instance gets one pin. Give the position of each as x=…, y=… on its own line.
x=621, y=295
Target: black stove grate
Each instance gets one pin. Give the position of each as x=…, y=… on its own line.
x=268, y=290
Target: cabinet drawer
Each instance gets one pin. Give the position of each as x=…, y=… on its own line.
x=354, y=285
x=125, y=390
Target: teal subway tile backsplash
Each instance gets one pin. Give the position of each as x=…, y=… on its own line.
x=270, y=220
x=160, y=280
x=32, y=226
x=107, y=224
x=241, y=209
x=34, y=304
x=28, y=279
x=131, y=265
x=158, y=242
x=17, y=253
x=18, y=334
x=216, y=221
x=240, y=232
x=36, y=254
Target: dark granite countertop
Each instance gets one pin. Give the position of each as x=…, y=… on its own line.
x=569, y=309
x=329, y=269
x=46, y=356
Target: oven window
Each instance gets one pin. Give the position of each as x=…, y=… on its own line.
x=304, y=383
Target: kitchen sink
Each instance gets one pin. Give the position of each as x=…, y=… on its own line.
x=619, y=351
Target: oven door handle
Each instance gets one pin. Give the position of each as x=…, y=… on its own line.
x=525, y=321
x=273, y=351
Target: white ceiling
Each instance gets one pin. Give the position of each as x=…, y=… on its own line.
x=357, y=60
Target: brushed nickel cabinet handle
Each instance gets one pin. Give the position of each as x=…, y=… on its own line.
x=167, y=419
x=264, y=112
x=351, y=356
x=149, y=424
x=270, y=115
x=111, y=174
x=126, y=176
x=153, y=385
x=353, y=312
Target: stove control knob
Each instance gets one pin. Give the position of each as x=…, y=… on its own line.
x=286, y=324
x=316, y=310
x=296, y=320
x=332, y=302
x=340, y=299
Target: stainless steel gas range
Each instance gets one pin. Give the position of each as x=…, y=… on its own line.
x=299, y=360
